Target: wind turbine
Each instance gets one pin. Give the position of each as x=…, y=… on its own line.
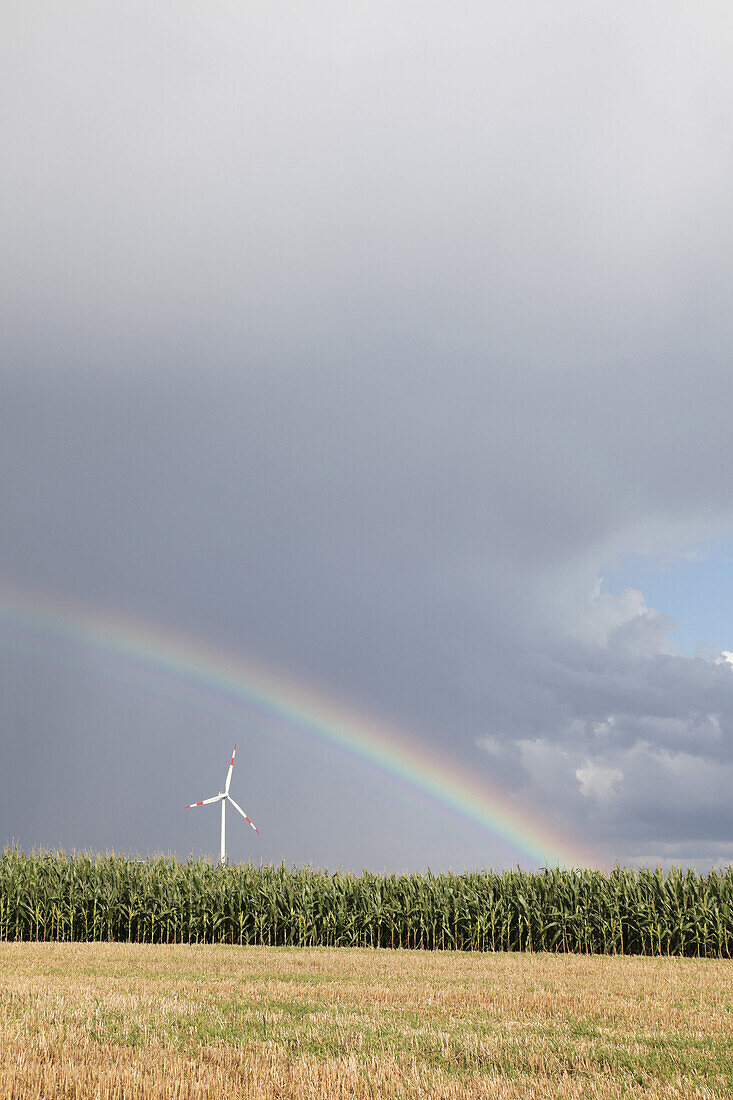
x=224, y=797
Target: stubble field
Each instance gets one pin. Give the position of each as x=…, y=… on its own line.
x=124, y=1020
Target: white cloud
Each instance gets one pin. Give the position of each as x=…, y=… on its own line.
x=600, y=729
x=624, y=621
x=580, y=608
x=492, y=745
x=597, y=781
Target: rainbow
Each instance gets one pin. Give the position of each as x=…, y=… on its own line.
x=388, y=749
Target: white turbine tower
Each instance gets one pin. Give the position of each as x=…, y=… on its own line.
x=224, y=797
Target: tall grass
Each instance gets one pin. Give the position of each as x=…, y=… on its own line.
x=52, y=896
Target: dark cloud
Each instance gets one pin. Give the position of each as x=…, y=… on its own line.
x=364, y=342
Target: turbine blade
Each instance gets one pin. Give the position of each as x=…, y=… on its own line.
x=236, y=807
x=216, y=798
x=229, y=773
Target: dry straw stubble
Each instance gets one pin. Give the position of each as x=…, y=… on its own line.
x=114, y=1020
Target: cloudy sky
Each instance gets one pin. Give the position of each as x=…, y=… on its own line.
x=389, y=344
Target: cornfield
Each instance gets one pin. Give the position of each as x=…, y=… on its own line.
x=52, y=896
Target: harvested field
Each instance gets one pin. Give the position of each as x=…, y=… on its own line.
x=130, y=1020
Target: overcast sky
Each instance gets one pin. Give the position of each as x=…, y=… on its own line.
x=389, y=343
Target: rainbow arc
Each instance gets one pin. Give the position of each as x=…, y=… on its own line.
x=391, y=750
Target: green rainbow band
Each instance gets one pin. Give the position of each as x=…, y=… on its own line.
x=391, y=750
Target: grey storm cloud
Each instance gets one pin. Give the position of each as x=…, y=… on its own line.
x=363, y=337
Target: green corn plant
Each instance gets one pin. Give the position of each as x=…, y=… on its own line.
x=52, y=895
